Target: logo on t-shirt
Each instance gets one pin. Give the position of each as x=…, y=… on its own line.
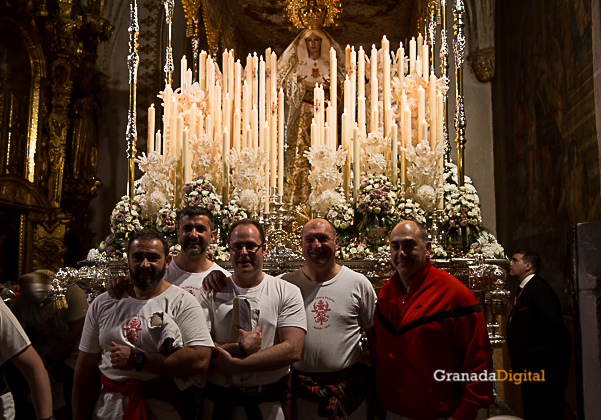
x=321, y=308
x=130, y=330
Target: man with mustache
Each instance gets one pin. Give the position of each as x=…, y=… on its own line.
x=427, y=321
x=155, y=332
x=338, y=304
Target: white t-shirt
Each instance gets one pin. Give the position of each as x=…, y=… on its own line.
x=336, y=310
x=51, y=325
x=179, y=321
x=190, y=282
x=13, y=339
x=280, y=305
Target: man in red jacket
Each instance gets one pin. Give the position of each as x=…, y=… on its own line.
x=433, y=356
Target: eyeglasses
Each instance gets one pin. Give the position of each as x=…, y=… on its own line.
x=251, y=249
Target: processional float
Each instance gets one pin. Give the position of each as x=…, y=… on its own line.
x=382, y=157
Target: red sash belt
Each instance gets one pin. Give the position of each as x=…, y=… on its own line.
x=132, y=388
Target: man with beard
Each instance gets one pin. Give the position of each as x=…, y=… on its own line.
x=428, y=326
x=188, y=268
x=250, y=376
x=138, y=343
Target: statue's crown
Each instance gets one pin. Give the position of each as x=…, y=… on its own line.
x=312, y=13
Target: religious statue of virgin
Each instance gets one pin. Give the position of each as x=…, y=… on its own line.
x=305, y=62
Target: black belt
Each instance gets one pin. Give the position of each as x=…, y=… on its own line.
x=465, y=310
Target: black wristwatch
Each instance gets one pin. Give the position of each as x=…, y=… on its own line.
x=138, y=361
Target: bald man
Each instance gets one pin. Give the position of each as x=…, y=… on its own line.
x=432, y=343
x=338, y=304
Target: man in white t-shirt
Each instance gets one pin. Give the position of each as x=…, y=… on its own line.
x=249, y=377
x=155, y=332
x=15, y=346
x=338, y=304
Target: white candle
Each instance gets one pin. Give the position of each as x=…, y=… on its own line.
x=151, y=119
x=236, y=131
x=331, y=123
x=394, y=154
x=209, y=125
x=386, y=87
x=267, y=83
x=424, y=129
x=158, y=146
x=254, y=121
x=184, y=67
x=353, y=78
x=326, y=135
x=186, y=161
x=274, y=148
x=179, y=132
x=281, y=142
x=403, y=103
x=246, y=105
x=348, y=98
x=425, y=60
x=439, y=117
x=432, y=100
x=418, y=66
x=268, y=168
x=356, y=162
x=313, y=133
x=387, y=121
x=227, y=113
x=200, y=125
x=255, y=80
x=401, y=65
x=345, y=146
x=249, y=137
x=347, y=59
x=224, y=176
x=202, y=63
x=217, y=111
x=420, y=43
x=421, y=104
x=230, y=78
x=237, y=84
x=262, y=104
x=333, y=96
x=249, y=70
x=361, y=73
x=362, y=115
x=374, y=89
x=274, y=71
x=405, y=141
x=166, y=108
x=173, y=113
x=412, y=53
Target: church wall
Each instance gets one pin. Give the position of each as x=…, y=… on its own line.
x=546, y=152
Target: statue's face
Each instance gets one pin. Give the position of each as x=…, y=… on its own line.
x=313, y=46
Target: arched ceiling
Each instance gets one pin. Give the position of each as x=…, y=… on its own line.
x=361, y=23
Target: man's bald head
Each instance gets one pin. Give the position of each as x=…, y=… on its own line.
x=318, y=221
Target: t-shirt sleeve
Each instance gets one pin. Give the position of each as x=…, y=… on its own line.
x=78, y=304
x=90, y=337
x=192, y=323
x=367, y=304
x=292, y=313
x=13, y=339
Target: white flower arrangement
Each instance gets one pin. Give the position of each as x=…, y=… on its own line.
x=155, y=189
x=232, y=213
x=424, y=172
x=354, y=251
x=438, y=251
x=341, y=215
x=411, y=210
x=201, y=193
x=376, y=149
x=126, y=218
x=248, y=177
x=166, y=220
x=488, y=246
x=206, y=157
x=376, y=195
x=325, y=176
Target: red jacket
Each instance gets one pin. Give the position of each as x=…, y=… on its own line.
x=406, y=363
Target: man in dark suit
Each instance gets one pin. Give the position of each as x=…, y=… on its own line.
x=537, y=338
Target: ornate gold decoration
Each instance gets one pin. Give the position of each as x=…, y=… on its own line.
x=213, y=32
x=133, y=60
x=460, y=120
x=48, y=242
x=483, y=64
x=312, y=13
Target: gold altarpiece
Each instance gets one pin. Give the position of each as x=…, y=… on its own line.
x=49, y=84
